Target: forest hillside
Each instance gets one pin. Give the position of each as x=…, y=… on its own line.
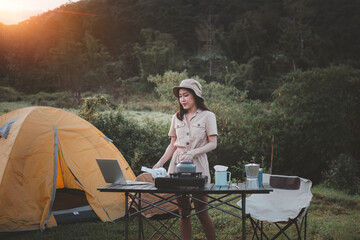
x=282, y=76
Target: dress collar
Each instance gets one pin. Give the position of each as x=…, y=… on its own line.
x=198, y=111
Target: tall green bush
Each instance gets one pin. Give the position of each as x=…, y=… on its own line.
x=9, y=94
x=343, y=174
x=243, y=127
x=316, y=118
x=141, y=145
x=164, y=83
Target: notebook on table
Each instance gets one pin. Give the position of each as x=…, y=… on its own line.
x=112, y=172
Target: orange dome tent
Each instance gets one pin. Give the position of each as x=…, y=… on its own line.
x=43, y=149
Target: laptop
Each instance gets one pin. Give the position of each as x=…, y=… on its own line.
x=112, y=172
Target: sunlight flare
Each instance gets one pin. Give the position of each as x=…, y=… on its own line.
x=15, y=11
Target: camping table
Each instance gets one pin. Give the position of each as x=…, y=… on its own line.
x=234, y=191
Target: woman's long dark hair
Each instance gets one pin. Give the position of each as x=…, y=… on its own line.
x=198, y=101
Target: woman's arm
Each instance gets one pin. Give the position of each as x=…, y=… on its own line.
x=167, y=155
x=211, y=145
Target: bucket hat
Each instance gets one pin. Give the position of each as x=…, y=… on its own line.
x=190, y=84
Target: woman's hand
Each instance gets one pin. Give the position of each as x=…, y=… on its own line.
x=186, y=157
x=211, y=145
x=157, y=165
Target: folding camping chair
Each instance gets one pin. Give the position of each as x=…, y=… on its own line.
x=285, y=207
x=164, y=220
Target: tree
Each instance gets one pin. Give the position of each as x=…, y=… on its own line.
x=157, y=53
x=2, y=53
x=316, y=118
x=297, y=37
x=78, y=66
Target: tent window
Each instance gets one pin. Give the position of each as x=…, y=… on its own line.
x=4, y=130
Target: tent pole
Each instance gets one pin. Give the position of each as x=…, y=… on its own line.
x=56, y=162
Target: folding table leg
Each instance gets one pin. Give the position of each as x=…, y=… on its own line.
x=305, y=226
x=243, y=216
x=126, y=216
x=140, y=233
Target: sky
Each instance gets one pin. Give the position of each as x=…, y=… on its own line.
x=15, y=11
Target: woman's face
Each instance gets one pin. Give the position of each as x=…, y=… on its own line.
x=186, y=99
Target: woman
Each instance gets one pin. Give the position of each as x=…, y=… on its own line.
x=193, y=133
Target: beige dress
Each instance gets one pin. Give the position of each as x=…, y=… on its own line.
x=195, y=135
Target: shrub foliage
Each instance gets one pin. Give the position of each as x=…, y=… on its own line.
x=316, y=116
x=141, y=145
x=313, y=119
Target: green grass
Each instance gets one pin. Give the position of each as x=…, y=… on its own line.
x=332, y=215
x=140, y=116
x=143, y=116
x=6, y=107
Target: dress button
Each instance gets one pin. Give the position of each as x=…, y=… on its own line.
x=187, y=134
x=187, y=143
x=198, y=124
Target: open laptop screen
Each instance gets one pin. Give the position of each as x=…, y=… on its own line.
x=112, y=172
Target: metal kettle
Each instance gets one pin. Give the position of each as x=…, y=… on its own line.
x=252, y=170
x=185, y=167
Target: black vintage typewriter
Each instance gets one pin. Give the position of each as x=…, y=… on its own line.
x=181, y=180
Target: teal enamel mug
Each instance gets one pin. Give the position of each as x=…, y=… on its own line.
x=222, y=178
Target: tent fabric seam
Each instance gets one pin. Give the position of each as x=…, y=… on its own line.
x=56, y=155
